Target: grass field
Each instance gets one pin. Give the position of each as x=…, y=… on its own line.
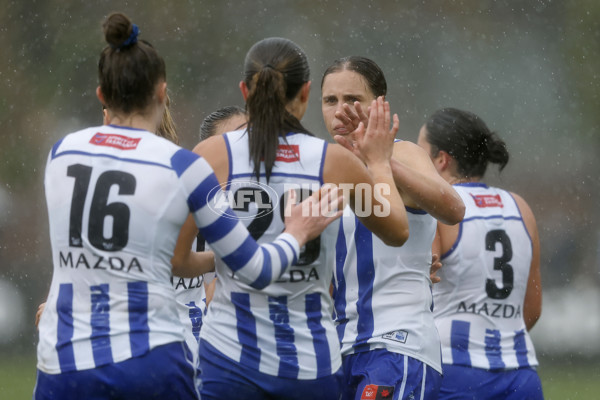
x=561, y=379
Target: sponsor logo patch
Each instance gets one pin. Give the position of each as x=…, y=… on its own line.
x=398, y=336
x=117, y=141
x=487, y=200
x=377, y=392
x=288, y=153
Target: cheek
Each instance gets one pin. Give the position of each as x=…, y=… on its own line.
x=328, y=117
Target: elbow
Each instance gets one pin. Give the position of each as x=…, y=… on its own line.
x=396, y=238
x=177, y=266
x=458, y=213
x=455, y=214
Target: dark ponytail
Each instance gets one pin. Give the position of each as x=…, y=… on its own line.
x=128, y=69
x=465, y=137
x=274, y=71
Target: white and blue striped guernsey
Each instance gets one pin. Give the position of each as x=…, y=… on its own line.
x=383, y=294
x=117, y=198
x=191, y=301
x=191, y=306
x=286, y=329
x=479, y=302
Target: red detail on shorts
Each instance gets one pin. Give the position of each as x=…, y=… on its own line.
x=117, y=141
x=488, y=200
x=377, y=392
x=288, y=153
x=369, y=392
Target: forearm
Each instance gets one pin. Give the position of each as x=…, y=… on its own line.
x=430, y=193
x=194, y=264
x=387, y=205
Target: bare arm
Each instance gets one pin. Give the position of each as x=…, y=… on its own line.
x=375, y=145
x=187, y=263
x=421, y=185
x=229, y=238
x=532, y=308
x=414, y=174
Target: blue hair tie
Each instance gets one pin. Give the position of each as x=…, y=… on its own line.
x=132, y=39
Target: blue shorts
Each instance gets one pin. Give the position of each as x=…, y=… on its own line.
x=222, y=378
x=461, y=382
x=165, y=372
x=382, y=374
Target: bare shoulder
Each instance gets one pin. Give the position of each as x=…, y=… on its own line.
x=411, y=154
x=341, y=166
x=214, y=151
x=406, y=148
x=522, y=204
x=206, y=147
x=338, y=154
x=526, y=213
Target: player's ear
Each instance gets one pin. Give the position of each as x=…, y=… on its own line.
x=443, y=160
x=100, y=96
x=244, y=89
x=305, y=92
x=162, y=92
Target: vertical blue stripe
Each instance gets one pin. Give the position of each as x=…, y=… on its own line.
x=284, y=337
x=139, y=337
x=230, y=161
x=493, y=351
x=339, y=287
x=246, y=329
x=195, y=314
x=363, y=239
x=521, y=348
x=100, y=323
x=313, y=317
x=323, y=154
x=64, y=329
x=459, y=342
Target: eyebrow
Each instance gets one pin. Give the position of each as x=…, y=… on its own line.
x=345, y=96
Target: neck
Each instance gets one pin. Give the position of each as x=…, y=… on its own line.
x=453, y=180
x=137, y=121
x=297, y=108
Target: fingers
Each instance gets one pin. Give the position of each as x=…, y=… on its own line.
x=436, y=265
x=373, y=116
x=352, y=116
x=343, y=141
x=346, y=119
x=386, y=114
x=396, y=125
x=361, y=114
x=331, y=201
x=381, y=114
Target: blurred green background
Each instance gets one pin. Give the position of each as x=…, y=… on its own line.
x=530, y=69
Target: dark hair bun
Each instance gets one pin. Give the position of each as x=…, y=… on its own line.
x=119, y=31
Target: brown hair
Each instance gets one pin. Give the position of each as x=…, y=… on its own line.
x=167, y=128
x=465, y=137
x=128, y=69
x=274, y=71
